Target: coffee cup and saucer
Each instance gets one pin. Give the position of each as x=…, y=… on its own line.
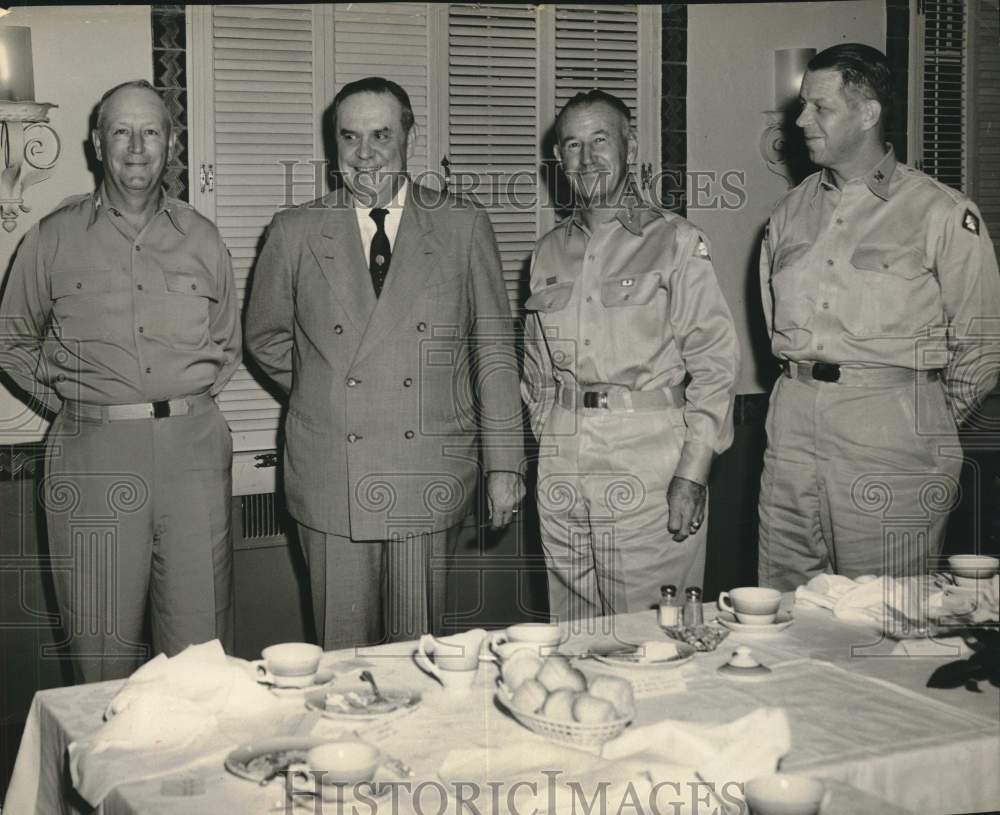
x=540, y=639
x=288, y=665
x=753, y=610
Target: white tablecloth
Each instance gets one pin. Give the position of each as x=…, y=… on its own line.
x=865, y=722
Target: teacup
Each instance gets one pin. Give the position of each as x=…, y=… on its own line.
x=336, y=768
x=752, y=605
x=454, y=660
x=289, y=664
x=967, y=569
x=540, y=638
x=780, y=794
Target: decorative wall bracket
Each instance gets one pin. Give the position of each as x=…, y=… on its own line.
x=773, y=148
x=26, y=140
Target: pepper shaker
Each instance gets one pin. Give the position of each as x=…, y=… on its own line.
x=693, y=614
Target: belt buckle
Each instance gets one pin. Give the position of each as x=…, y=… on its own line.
x=161, y=410
x=826, y=371
x=595, y=399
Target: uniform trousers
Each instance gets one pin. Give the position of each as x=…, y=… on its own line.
x=602, y=486
x=373, y=591
x=138, y=511
x=857, y=480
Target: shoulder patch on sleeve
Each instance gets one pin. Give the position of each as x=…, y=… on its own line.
x=701, y=250
x=970, y=221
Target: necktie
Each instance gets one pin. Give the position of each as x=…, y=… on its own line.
x=380, y=253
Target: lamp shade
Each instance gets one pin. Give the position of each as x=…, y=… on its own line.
x=17, y=81
x=789, y=68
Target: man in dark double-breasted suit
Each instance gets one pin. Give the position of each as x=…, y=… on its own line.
x=381, y=310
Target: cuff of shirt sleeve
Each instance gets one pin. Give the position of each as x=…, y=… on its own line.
x=695, y=462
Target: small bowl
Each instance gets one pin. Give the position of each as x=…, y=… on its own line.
x=981, y=567
x=700, y=637
x=344, y=762
x=780, y=794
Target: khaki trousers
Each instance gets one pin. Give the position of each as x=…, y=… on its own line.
x=856, y=480
x=602, y=506
x=138, y=512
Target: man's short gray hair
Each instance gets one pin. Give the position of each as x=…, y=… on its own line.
x=132, y=83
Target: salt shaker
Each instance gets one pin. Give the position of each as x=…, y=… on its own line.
x=670, y=611
x=693, y=614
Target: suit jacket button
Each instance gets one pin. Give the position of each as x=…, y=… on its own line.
x=351, y=381
x=421, y=327
x=352, y=437
x=408, y=434
x=407, y=383
x=338, y=329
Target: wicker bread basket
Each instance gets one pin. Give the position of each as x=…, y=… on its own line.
x=574, y=733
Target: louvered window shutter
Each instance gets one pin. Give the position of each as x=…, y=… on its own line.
x=942, y=98
x=263, y=115
x=598, y=47
x=492, y=124
x=985, y=99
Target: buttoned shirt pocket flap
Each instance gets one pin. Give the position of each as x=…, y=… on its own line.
x=898, y=261
x=551, y=298
x=191, y=283
x=787, y=254
x=636, y=290
x=90, y=281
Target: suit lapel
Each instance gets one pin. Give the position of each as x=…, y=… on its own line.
x=340, y=256
x=412, y=263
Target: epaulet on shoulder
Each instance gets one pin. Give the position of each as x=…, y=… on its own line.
x=74, y=201
x=558, y=229
x=954, y=196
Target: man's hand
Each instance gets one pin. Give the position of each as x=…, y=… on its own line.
x=504, y=491
x=686, y=507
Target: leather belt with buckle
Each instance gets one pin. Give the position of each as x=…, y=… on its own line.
x=851, y=376
x=595, y=399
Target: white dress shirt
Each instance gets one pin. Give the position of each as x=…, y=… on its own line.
x=367, y=225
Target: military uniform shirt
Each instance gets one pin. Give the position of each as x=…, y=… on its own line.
x=893, y=269
x=635, y=304
x=99, y=314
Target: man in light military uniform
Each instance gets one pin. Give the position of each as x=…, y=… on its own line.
x=120, y=316
x=626, y=308
x=882, y=301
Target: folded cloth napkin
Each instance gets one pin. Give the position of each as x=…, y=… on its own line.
x=882, y=600
x=170, y=714
x=723, y=755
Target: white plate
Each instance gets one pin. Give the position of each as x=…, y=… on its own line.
x=626, y=659
x=781, y=622
x=355, y=707
x=256, y=760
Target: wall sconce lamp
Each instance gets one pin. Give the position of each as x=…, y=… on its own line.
x=25, y=135
x=789, y=68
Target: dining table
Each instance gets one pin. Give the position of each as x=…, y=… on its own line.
x=860, y=714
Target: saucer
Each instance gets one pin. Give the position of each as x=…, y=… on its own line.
x=781, y=622
x=633, y=656
x=358, y=703
x=261, y=760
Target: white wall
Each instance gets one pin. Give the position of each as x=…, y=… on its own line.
x=730, y=82
x=79, y=52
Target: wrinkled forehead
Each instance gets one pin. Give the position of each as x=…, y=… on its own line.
x=134, y=104
x=591, y=117
x=368, y=109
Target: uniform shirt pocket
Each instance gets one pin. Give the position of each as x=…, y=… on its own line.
x=80, y=307
x=635, y=290
x=182, y=319
x=551, y=298
x=889, y=290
